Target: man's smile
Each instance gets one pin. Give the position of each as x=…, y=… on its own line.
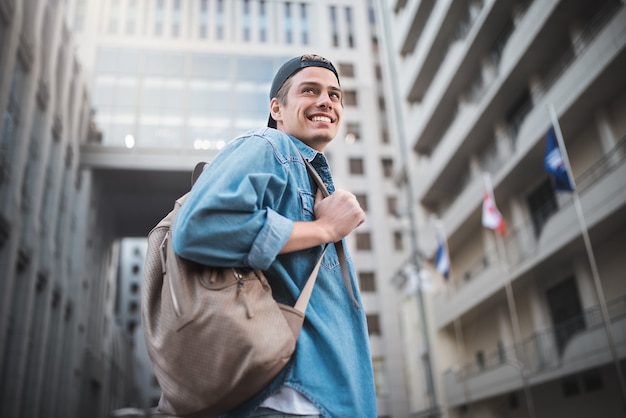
x=320, y=118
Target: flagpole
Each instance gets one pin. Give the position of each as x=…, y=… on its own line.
x=517, y=334
x=458, y=330
x=590, y=254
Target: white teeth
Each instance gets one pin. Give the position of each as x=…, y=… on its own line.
x=321, y=119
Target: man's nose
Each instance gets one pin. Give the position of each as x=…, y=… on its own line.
x=325, y=100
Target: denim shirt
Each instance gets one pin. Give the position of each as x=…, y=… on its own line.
x=240, y=213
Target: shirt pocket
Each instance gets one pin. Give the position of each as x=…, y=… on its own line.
x=307, y=200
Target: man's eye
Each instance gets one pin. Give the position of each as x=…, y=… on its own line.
x=307, y=90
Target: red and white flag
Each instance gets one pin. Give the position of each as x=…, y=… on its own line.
x=492, y=218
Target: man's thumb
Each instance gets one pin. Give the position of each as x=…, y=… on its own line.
x=319, y=196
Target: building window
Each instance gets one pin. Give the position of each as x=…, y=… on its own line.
x=379, y=72
x=542, y=204
x=362, y=199
x=398, y=242
x=131, y=17
x=304, y=23
x=356, y=166
x=134, y=288
x=566, y=311
x=346, y=70
x=288, y=24
x=381, y=104
x=176, y=19
x=246, y=20
x=158, y=18
x=367, y=281
x=373, y=324
x=79, y=15
x=219, y=20
x=384, y=136
x=262, y=22
x=334, y=29
x=380, y=381
x=114, y=14
x=392, y=205
x=353, y=132
x=349, y=27
x=480, y=360
x=517, y=113
x=363, y=241
x=132, y=307
x=592, y=381
x=203, y=19
x=387, y=164
x=349, y=98
x=569, y=386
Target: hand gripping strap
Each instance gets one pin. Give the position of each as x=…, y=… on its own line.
x=338, y=245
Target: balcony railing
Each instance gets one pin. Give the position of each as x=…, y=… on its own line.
x=569, y=56
x=544, y=350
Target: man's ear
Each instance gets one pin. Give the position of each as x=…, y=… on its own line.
x=275, y=109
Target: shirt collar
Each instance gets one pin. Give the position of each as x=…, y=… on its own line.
x=306, y=151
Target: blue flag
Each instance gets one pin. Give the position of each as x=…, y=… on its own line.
x=553, y=164
x=442, y=261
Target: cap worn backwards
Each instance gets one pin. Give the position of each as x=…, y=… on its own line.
x=291, y=67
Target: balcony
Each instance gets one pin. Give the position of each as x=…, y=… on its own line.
x=7, y=10
x=582, y=87
x=578, y=344
x=602, y=195
x=458, y=61
x=412, y=22
x=423, y=64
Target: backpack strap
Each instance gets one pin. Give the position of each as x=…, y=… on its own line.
x=338, y=245
x=197, y=170
x=305, y=294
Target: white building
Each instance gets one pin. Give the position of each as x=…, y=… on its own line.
x=520, y=328
x=61, y=353
x=174, y=80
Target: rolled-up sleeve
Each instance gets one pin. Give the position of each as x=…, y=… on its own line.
x=271, y=239
x=231, y=216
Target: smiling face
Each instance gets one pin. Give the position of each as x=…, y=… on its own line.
x=312, y=109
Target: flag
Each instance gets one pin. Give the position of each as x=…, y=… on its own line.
x=553, y=164
x=416, y=280
x=442, y=260
x=492, y=218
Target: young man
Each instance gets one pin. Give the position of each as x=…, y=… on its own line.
x=256, y=207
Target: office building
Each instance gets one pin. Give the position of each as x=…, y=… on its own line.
x=61, y=351
x=530, y=323
x=173, y=81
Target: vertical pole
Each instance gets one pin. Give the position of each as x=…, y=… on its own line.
x=590, y=254
x=516, y=327
x=458, y=329
x=433, y=406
